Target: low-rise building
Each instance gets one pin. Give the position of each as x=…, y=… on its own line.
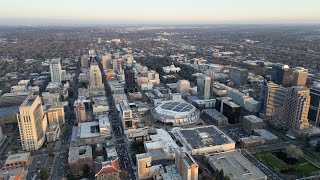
x=78, y=157
x=252, y=122
x=215, y=117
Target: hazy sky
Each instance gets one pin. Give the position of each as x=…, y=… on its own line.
x=162, y=11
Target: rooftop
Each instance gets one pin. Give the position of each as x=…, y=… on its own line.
x=205, y=136
x=89, y=129
x=215, y=114
x=253, y=118
x=235, y=166
x=18, y=157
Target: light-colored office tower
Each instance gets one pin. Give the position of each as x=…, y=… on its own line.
x=186, y=165
x=272, y=97
x=95, y=80
x=143, y=165
x=106, y=61
x=296, y=107
x=314, y=110
x=32, y=123
x=183, y=87
x=153, y=77
x=55, y=70
x=299, y=77
x=239, y=76
x=80, y=111
x=203, y=86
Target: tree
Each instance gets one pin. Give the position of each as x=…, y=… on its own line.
x=294, y=152
x=317, y=148
x=44, y=174
x=220, y=175
x=226, y=177
x=86, y=170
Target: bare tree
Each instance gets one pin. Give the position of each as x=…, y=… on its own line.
x=294, y=152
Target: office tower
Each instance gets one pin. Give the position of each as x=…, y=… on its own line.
x=272, y=97
x=183, y=87
x=203, y=86
x=55, y=70
x=296, y=107
x=299, y=76
x=95, y=80
x=186, y=165
x=106, y=61
x=130, y=85
x=314, y=109
x=239, y=76
x=232, y=111
x=80, y=111
x=281, y=74
x=32, y=123
x=117, y=64
x=84, y=61
x=153, y=77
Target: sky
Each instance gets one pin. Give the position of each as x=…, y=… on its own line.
x=159, y=11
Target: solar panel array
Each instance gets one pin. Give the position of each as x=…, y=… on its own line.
x=177, y=106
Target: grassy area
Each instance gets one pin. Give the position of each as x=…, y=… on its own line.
x=277, y=164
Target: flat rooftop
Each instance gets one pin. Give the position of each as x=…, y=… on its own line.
x=253, y=118
x=215, y=114
x=18, y=157
x=205, y=136
x=29, y=100
x=89, y=129
x=235, y=166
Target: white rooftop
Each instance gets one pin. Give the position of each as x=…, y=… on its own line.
x=88, y=130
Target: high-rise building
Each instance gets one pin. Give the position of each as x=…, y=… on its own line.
x=299, y=76
x=183, y=87
x=95, y=80
x=153, y=77
x=106, y=61
x=272, y=97
x=314, y=109
x=239, y=76
x=80, y=111
x=296, y=107
x=56, y=71
x=130, y=84
x=281, y=74
x=186, y=165
x=32, y=123
x=203, y=86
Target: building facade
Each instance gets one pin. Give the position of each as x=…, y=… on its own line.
x=55, y=71
x=314, y=109
x=203, y=86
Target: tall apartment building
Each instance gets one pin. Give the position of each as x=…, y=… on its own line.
x=186, y=165
x=32, y=123
x=95, y=80
x=106, y=61
x=281, y=74
x=130, y=84
x=314, y=109
x=296, y=107
x=299, y=76
x=203, y=86
x=55, y=70
x=239, y=76
x=272, y=97
x=183, y=87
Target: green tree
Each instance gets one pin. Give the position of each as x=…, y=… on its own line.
x=226, y=177
x=220, y=175
x=44, y=174
x=86, y=170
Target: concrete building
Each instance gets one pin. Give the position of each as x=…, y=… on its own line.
x=130, y=84
x=109, y=170
x=296, y=108
x=205, y=139
x=235, y=165
x=172, y=68
x=53, y=133
x=183, y=87
x=215, y=117
x=100, y=106
x=314, y=109
x=78, y=157
x=232, y=111
x=272, y=97
x=238, y=76
x=106, y=61
x=80, y=111
x=203, y=86
x=299, y=76
x=186, y=165
x=55, y=70
x=252, y=122
x=95, y=80
x=238, y=97
x=153, y=77
x=32, y=123
x=17, y=160
x=281, y=74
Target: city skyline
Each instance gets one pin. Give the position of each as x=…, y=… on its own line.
x=17, y=12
